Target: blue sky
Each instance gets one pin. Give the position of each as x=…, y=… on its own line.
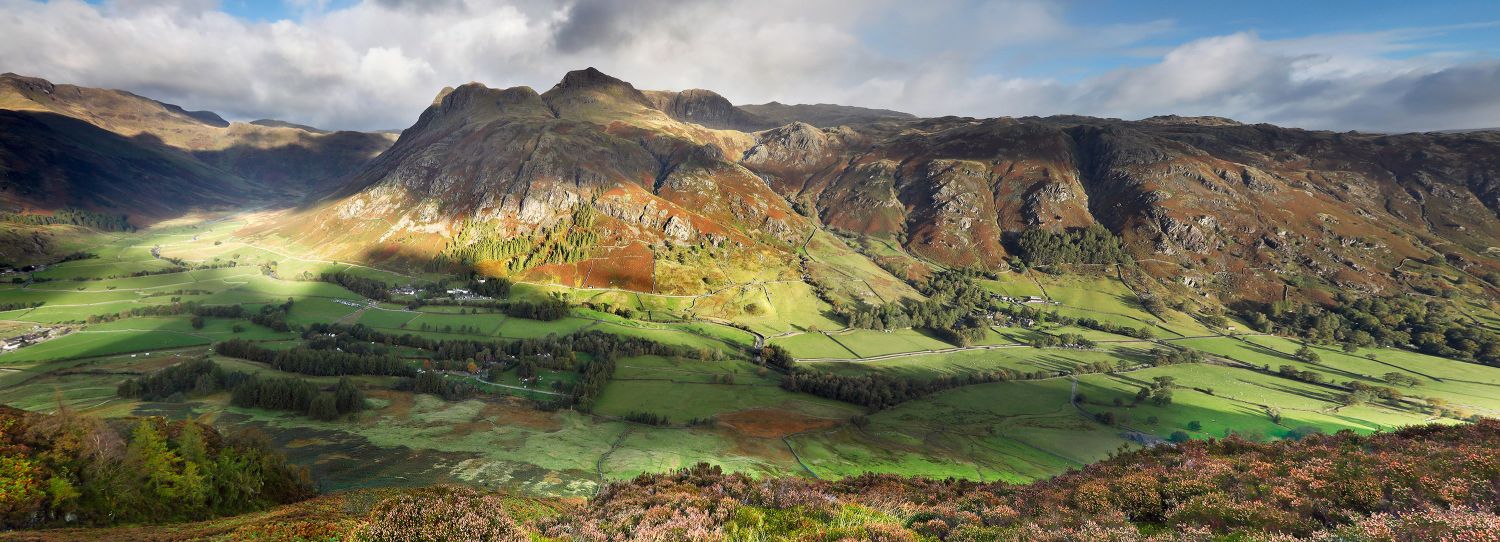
x=1372, y=65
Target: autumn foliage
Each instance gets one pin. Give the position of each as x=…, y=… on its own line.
x=69, y=469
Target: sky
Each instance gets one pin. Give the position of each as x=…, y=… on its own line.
x=1373, y=65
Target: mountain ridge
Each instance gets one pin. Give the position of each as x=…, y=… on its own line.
x=1225, y=208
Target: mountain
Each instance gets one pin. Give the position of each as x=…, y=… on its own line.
x=589, y=170
x=1215, y=207
x=112, y=149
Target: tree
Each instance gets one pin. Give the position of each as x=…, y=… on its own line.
x=777, y=357
x=324, y=407
x=1400, y=379
x=1307, y=354
x=1179, y=437
x=347, y=397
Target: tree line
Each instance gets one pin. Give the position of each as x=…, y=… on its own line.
x=202, y=376
x=878, y=391
x=75, y=217
x=311, y=361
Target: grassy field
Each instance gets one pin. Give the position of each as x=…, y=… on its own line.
x=685, y=390
x=814, y=345
x=1014, y=431
x=952, y=364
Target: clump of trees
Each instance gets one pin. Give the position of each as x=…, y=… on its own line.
x=1092, y=245
x=1162, y=356
x=550, y=308
x=1142, y=332
x=75, y=468
x=551, y=352
x=1062, y=340
x=951, y=310
x=647, y=418
x=492, y=287
x=274, y=316
x=434, y=383
x=1431, y=327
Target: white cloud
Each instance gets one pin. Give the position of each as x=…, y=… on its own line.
x=376, y=63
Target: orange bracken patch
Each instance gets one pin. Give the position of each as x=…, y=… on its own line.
x=772, y=423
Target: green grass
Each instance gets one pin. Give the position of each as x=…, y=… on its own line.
x=868, y=343
x=91, y=343
x=813, y=345
x=1238, y=404
x=683, y=390
x=388, y=319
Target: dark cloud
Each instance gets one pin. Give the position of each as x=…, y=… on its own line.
x=598, y=24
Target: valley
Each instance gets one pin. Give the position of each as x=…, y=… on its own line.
x=1057, y=408
x=555, y=299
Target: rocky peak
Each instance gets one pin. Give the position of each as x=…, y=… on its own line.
x=591, y=81
x=25, y=84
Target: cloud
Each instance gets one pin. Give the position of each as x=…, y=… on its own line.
x=374, y=64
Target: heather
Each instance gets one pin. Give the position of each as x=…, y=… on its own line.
x=1421, y=483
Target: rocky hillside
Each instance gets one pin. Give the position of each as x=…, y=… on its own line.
x=1211, y=202
x=66, y=145
x=1216, y=206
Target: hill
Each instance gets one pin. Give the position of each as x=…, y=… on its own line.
x=229, y=161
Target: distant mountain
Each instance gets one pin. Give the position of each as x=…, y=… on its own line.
x=50, y=161
x=273, y=123
x=822, y=115
x=228, y=162
x=707, y=108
